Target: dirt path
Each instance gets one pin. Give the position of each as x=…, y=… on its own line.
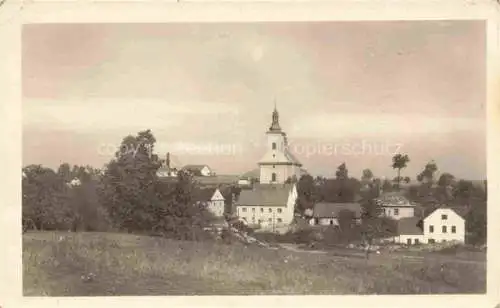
x=345, y=254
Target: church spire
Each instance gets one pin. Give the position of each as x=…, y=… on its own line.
x=275, y=125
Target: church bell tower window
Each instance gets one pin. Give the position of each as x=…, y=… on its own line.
x=273, y=177
x=274, y=145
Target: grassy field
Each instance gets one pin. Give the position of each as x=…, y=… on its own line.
x=60, y=264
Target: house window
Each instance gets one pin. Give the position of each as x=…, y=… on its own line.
x=444, y=217
x=408, y=241
x=444, y=229
x=274, y=145
x=270, y=220
x=253, y=209
x=453, y=229
x=431, y=241
x=279, y=211
x=273, y=177
x=396, y=212
x=280, y=220
x=431, y=229
x=262, y=210
x=253, y=219
x=274, y=166
x=270, y=210
x=331, y=221
x=417, y=241
x=244, y=209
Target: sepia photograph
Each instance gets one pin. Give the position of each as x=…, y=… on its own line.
x=254, y=158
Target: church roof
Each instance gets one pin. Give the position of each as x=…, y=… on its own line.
x=265, y=195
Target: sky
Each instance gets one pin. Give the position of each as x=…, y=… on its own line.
x=353, y=92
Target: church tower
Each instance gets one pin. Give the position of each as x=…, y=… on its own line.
x=278, y=164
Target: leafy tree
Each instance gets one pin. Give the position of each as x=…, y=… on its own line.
x=400, y=161
x=45, y=199
x=444, y=190
x=386, y=185
x=342, y=173
x=307, y=194
x=407, y=179
x=427, y=175
x=346, y=219
x=137, y=201
x=367, y=175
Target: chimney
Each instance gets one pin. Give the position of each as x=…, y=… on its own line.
x=167, y=161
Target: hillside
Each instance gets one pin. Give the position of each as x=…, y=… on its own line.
x=80, y=264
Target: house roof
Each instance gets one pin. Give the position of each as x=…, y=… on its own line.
x=217, y=179
x=396, y=199
x=409, y=226
x=462, y=211
x=194, y=167
x=265, y=195
x=331, y=209
x=255, y=173
x=203, y=194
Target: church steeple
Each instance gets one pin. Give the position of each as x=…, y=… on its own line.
x=275, y=125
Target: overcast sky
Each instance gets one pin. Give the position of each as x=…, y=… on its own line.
x=346, y=91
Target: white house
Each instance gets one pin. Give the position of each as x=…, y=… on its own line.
x=395, y=205
x=442, y=225
x=445, y=224
x=198, y=170
x=270, y=207
x=327, y=213
x=213, y=200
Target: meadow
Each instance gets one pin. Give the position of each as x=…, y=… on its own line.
x=104, y=264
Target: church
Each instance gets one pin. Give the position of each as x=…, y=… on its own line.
x=270, y=203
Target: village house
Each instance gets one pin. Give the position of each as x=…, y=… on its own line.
x=267, y=206
x=198, y=170
x=213, y=200
x=441, y=225
x=271, y=203
x=327, y=213
x=394, y=205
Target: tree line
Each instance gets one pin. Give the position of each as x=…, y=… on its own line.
x=429, y=192
x=126, y=196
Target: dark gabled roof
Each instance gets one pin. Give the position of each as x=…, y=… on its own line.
x=255, y=173
x=216, y=179
x=203, y=194
x=409, y=226
x=265, y=195
x=331, y=209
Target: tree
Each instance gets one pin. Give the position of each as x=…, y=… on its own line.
x=307, y=194
x=342, y=173
x=400, y=161
x=445, y=187
x=129, y=183
x=138, y=201
x=427, y=175
x=45, y=199
x=407, y=179
x=367, y=175
x=346, y=219
x=386, y=185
